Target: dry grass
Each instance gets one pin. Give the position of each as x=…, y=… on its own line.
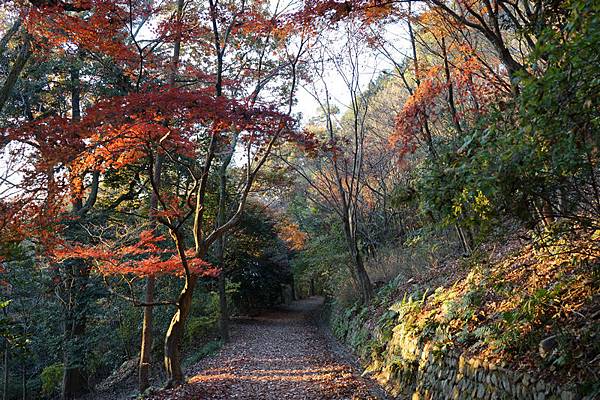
x=423, y=254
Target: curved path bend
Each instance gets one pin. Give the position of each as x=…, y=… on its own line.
x=279, y=355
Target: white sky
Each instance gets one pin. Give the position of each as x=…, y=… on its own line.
x=371, y=63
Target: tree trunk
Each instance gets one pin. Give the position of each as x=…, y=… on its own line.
x=15, y=71
x=175, y=333
x=146, y=349
x=147, y=336
x=77, y=272
x=224, y=309
x=74, y=379
x=146, y=346
x=294, y=293
x=24, y=383
x=8, y=36
x=74, y=383
x=359, y=273
x=450, y=97
x=425, y=129
x=364, y=282
x=464, y=241
x=5, y=385
x=547, y=213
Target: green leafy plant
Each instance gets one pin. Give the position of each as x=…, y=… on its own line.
x=51, y=377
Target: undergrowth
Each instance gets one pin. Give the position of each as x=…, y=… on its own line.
x=535, y=308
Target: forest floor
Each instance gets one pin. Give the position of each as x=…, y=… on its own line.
x=281, y=354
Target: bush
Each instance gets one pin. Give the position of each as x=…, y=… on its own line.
x=198, y=328
x=208, y=349
x=537, y=153
x=51, y=379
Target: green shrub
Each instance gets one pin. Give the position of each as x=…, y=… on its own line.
x=199, y=327
x=208, y=349
x=51, y=378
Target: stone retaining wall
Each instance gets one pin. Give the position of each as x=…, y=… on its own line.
x=433, y=375
x=410, y=370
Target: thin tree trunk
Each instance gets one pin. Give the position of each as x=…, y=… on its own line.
x=294, y=293
x=224, y=308
x=428, y=138
x=425, y=130
x=24, y=383
x=463, y=240
x=146, y=346
x=74, y=379
x=451, y=103
x=547, y=213
x=5, y=385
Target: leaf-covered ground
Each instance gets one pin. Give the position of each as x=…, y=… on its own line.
x=282, y=354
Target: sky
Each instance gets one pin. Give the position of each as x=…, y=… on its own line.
x=371, y=64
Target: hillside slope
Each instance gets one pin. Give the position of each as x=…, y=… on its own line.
x=517, y=320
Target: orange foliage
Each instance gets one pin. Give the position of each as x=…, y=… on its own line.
x=419, y=108
x=143, y=258
x=124, y=130
x=474, y=92
x=291, y=234
x=101, y=28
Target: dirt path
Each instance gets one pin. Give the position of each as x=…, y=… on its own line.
x=280, y=355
